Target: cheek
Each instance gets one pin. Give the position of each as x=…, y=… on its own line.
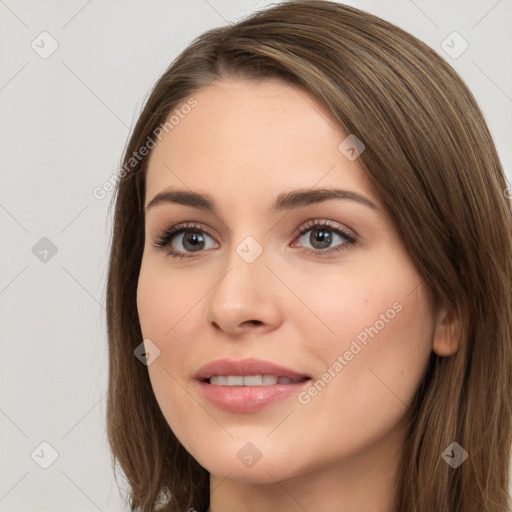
x=165, y=301
x=373, y=364
x=168, y=308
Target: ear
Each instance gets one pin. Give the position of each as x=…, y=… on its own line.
x=447, y=333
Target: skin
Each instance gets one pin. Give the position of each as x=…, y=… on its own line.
x=243, y=144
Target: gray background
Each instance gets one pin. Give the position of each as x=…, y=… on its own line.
x=65, y=120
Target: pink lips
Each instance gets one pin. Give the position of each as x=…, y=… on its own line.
x=247, y=398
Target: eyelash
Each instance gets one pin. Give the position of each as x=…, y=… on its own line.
x=164, y=239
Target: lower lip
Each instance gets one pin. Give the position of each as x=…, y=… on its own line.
x=249, y=398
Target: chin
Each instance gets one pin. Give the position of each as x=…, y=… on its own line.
x=267, y=472
x=242, y=461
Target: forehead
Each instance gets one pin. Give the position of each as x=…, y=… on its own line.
x=255, y=139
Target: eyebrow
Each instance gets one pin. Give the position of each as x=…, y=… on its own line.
x=285, y=201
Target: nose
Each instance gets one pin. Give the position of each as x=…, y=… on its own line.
x=244, y=297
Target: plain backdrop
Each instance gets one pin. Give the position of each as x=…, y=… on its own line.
x=65, y=118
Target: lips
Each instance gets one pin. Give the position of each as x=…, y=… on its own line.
x=248, y=385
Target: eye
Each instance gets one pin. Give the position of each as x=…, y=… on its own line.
x=322, y=235
x=193, y=238
x=189, y=236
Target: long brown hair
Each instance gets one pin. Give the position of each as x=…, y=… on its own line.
x=432, y=160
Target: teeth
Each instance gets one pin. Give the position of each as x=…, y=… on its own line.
x=235, y=380
x=250, y=380
x=253, y=380
x=269, y=380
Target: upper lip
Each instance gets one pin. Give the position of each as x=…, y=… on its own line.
x=245, y=367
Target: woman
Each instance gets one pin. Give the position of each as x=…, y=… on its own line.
x=309, y=292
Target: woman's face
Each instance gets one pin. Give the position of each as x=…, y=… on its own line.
x=340, y=309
